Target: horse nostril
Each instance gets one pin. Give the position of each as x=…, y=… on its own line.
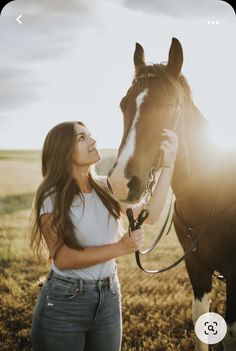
x=134, y=185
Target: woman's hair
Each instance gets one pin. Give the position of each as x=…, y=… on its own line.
x=58, y=182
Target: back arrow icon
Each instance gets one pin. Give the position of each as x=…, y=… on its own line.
x=18, y=19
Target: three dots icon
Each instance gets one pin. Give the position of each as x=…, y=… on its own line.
x=213, y=22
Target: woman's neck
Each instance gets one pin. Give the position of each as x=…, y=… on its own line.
x=81, y=177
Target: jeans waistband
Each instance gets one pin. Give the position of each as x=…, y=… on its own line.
x=84, y=282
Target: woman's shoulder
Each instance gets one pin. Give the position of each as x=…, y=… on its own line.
x=48, y=202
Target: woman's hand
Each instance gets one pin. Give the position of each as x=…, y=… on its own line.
x=168, y=148
x=132, y=243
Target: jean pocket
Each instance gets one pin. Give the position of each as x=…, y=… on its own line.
x=59, y=291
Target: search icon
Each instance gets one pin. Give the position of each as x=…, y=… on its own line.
x=210, y=328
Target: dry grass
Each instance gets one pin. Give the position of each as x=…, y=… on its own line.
x=156, y=308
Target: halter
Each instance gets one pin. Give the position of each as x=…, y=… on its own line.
x=179, y=118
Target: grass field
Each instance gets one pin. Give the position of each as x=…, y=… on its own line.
x=156, y=308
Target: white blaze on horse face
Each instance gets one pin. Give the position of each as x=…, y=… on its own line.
x=117, y=179
x=200, y=307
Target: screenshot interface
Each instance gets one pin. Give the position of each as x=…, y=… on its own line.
x=125, y=68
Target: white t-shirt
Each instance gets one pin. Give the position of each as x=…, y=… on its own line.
x=93, y=226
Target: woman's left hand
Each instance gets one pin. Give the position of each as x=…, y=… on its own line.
x=168, y=147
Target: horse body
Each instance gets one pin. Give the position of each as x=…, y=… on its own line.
x=204, y=179
x=206, y=205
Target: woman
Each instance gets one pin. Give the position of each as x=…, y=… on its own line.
x=76, y=216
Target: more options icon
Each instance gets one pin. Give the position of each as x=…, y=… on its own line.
x=210, y=328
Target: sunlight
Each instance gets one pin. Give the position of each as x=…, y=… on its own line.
x=223, y=136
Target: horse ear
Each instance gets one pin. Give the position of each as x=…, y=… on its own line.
x=175, y=60
x=139, y=55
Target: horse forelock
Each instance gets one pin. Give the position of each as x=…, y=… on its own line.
x=169, y=83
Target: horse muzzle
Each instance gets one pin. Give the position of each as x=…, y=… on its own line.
x=125, y=190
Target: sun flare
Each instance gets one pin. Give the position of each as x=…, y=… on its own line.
x=223, y=136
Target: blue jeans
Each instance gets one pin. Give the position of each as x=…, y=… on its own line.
x=77, y=315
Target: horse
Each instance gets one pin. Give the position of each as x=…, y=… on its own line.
x=203, y=182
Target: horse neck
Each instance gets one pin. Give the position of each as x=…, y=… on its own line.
x=196, y=187
x=194, y=146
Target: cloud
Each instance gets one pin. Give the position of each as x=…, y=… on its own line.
x=183, y=9
x=49, y=30
x=12, y=80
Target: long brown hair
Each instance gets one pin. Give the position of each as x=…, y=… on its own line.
x=58, y=182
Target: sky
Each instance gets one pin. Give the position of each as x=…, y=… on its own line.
x=73, y=60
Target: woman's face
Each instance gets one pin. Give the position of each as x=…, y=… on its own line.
x=85, y=152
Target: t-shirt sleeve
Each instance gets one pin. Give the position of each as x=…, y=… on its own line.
x=121, y=228
x=47, y=205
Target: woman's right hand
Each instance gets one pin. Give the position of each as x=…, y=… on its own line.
x=168, y=147
x=132, y=243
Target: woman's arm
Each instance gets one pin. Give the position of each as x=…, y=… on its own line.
x=159, y=196
x=168, y=148
x=67, y=258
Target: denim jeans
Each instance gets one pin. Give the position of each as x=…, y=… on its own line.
x=77, y=315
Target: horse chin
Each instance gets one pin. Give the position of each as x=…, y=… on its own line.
x=133, y=197
x=130, y=199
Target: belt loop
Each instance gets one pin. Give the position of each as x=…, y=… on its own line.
x=111, y=281
x=114, y=271
x=99, y=284
x=81, y=286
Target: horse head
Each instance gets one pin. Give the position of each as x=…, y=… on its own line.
x=153, y=102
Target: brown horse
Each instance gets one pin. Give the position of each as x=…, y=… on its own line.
x=204, y=179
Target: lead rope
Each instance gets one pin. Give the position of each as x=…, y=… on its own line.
x=136, y=224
